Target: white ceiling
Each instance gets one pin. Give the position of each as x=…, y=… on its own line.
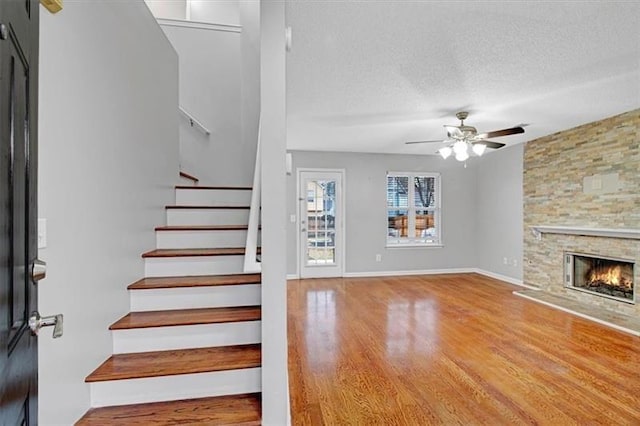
x=366, y=76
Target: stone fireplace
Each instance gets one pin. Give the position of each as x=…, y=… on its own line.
x=601, y=276
x=581, y=199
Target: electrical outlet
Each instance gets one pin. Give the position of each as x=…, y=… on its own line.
x=515, y=262
x=292, y=218
x=378, y=258
x=505, y=261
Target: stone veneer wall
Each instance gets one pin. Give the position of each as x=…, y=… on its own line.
x=555, y=167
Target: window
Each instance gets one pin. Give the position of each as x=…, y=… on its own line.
x=413, y=209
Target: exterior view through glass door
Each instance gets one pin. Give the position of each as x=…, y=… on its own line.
x=321, y=231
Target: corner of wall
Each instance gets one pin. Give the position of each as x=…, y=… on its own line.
x=498, y=217
x=108, y=159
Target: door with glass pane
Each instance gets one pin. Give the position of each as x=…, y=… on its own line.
x=321, y=232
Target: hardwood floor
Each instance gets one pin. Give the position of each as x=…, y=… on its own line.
x=451, y=349
x=238, y=410
x=153, y=283
x=176, y=317
x=178, y=361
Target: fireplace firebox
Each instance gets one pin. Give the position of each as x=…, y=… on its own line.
x=602, y=276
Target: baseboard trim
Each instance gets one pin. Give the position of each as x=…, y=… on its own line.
x=372, y=274
x=412, y=272
x=510, y=280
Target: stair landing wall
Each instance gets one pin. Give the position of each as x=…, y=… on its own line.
x=107, y=164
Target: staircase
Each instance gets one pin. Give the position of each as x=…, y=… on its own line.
x=189, y=351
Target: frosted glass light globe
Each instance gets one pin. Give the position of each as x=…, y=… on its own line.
x=479, y=148
x=460, y=147
x=462, y=156
x=445, y=152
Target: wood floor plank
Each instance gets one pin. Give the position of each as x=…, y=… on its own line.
x=173, y=362
x=202, y=228
x=178, y=317
x=152, y=283
x=216, y=411
x=199, y=187
x=192, y=178
x=451, y=349
x=195, y=252
x=188, y=207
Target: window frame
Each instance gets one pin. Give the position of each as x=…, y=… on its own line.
x=404, y=242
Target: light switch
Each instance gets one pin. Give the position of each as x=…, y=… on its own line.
x=292, y=218
x=42, y=233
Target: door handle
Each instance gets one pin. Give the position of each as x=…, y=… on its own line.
x=36, y=322
x=38, y=270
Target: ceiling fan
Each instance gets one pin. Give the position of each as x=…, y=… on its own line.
x=463, y=138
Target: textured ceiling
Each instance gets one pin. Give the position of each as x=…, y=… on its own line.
x=366, y=76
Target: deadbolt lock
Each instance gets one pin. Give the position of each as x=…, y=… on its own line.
x=38, y=270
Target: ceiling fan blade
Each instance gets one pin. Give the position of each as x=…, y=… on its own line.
x=490, y=144
x=499, y=133
x=413, y=142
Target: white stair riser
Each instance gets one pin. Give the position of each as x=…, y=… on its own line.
x=201, y=239
x=207, y=216
x=185, y=337
x=196, y=265
x=212, y=197
x=195, y=297
x=167, y=388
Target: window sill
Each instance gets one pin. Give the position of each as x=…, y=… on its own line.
x=413, y=246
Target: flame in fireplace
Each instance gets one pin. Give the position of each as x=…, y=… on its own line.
x=609, y=275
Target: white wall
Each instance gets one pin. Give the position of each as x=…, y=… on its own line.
x=499, y=213
x=108, y=159
x=366, y=219
x=168, y=9
x=210, y=89
x=215, y=11
x=250, y=40
x=218, y=11
x=275, y=396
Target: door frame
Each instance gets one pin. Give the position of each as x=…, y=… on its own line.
x=341, y=255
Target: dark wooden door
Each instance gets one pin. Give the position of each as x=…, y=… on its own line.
x=18, y=210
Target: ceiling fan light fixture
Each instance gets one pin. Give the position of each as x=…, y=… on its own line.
x=479, y=148
x=460, y=147
x=445, y=152
x=464, y=140
x=462, y=156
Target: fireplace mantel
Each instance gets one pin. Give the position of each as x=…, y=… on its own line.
x=538, y=230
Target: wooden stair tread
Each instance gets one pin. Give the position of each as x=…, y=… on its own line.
x=174, y=362
x=195, y=281
x=190, y=177
x=202, y=228
x=190, y=252
x=221, y=410
x=231, y=188
x=187, y=207
x=186, y=317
